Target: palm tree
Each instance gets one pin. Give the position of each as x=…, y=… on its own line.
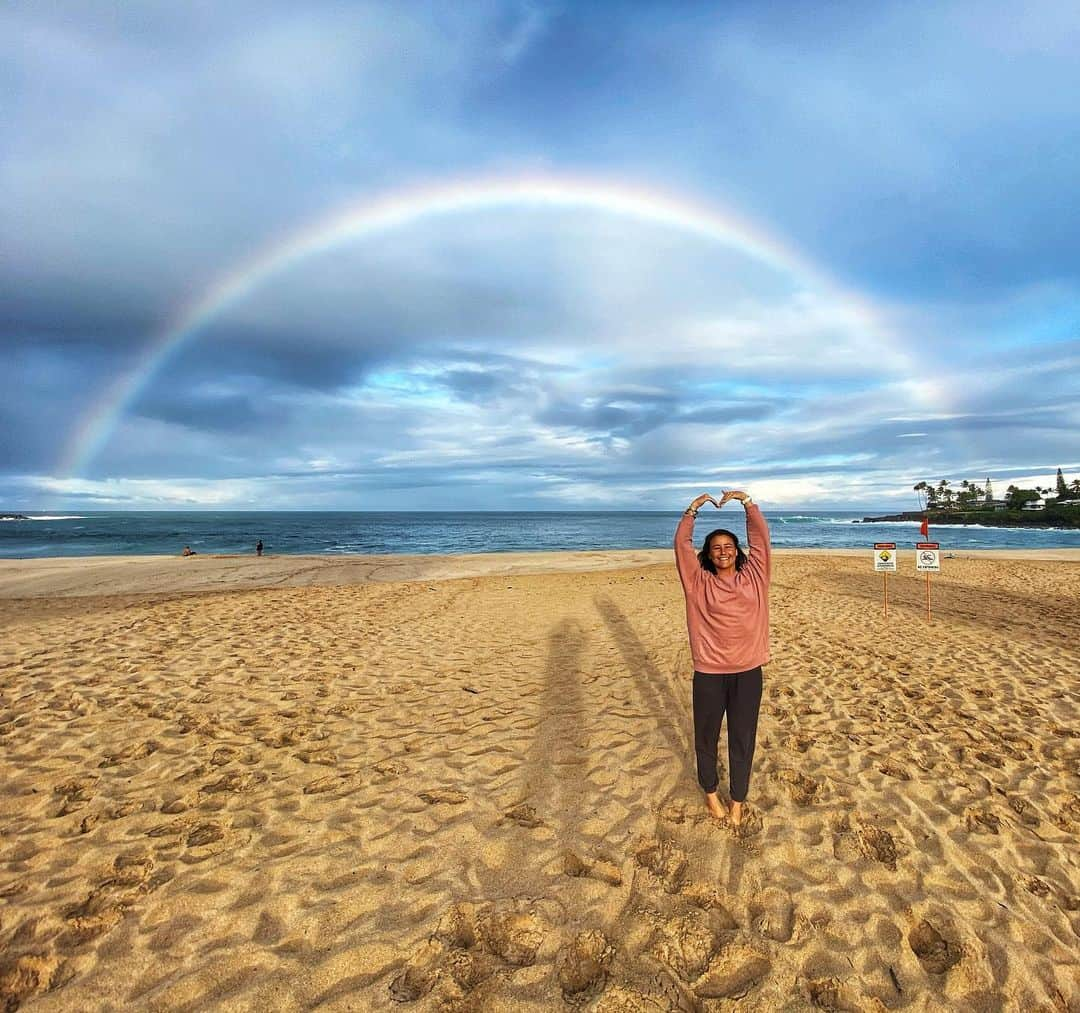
x=920, y=491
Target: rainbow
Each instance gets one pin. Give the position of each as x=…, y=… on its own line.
x=368, y=218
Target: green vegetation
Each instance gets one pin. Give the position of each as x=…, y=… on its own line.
x=1065, y=516
x=970, y=503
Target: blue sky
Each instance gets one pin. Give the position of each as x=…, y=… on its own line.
x=915, y=164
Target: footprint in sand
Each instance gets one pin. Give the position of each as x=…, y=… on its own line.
x=878, y=844
x=1025, y=811
x=75, y=793
x=1037, y=886
x=582, y=964
x=88, y=823
x=444, y=796
x=801, y=789
x=732, y=974
x=281, y=739
x=116, y=812
x=708, y=898
x=201, y=838
x=687, y=944
x=470, y=944
x=13, y=889
x=523, y=815
x=936, y=953
x=204, y=834
x=866, y=841
x=602, y=868
x=390, y=768
x=1065, y=818
x=664, y=860
x=178, y=804
x=106, y=903
x=331, y=782
x=833, y=994
x=224, y=755
x=773, y=914
x=235, y=781
x=895, y=770
x=991, y=759
x=133, y=752
x=1017, y=747
x=752, y=824
x=199, y=723
x=623, y=999
x=26, y=976
x=513, y=932
x=127, y=807
x=980, y=821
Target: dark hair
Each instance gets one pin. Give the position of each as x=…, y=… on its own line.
x=703, y=555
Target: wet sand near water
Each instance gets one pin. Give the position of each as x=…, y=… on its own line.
x=112, y=575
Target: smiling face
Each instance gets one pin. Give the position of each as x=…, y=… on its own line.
x=722, y=553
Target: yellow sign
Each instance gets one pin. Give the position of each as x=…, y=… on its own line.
x=885, y=561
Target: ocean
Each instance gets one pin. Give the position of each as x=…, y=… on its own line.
x=432, y=533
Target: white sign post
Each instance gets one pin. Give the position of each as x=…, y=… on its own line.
x=885, y=563
x=927, y=561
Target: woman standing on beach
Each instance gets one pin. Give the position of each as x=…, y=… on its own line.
x=727, y=617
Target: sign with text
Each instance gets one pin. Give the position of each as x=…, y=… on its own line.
x=885, y=557
x=927, y=559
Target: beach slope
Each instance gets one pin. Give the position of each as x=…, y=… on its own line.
x=443, y=788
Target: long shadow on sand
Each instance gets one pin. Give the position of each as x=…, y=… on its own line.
x=558, y=750
x=659, y=696
x=965, y=602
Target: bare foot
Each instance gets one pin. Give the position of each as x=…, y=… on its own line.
x=712, y=803
x=735, y=812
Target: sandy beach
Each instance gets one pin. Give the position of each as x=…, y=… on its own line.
x=423, y=783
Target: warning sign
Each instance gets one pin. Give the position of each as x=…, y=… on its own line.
x=885, y=557
x=927, y=559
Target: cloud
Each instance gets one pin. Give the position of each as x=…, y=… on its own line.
x=919, y=157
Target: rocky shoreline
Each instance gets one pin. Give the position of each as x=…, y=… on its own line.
x=984, y=518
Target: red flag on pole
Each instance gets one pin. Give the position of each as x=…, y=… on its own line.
x=924, y=528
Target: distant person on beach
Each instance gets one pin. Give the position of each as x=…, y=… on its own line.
x=258, y=547
x=188, y=551
x=727, y=617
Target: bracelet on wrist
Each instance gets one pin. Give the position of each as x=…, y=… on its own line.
x=691, y=510
x=747, y=500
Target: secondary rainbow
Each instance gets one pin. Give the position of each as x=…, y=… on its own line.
x=370, y=217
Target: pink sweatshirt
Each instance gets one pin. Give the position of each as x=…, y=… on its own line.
x=727, y=617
